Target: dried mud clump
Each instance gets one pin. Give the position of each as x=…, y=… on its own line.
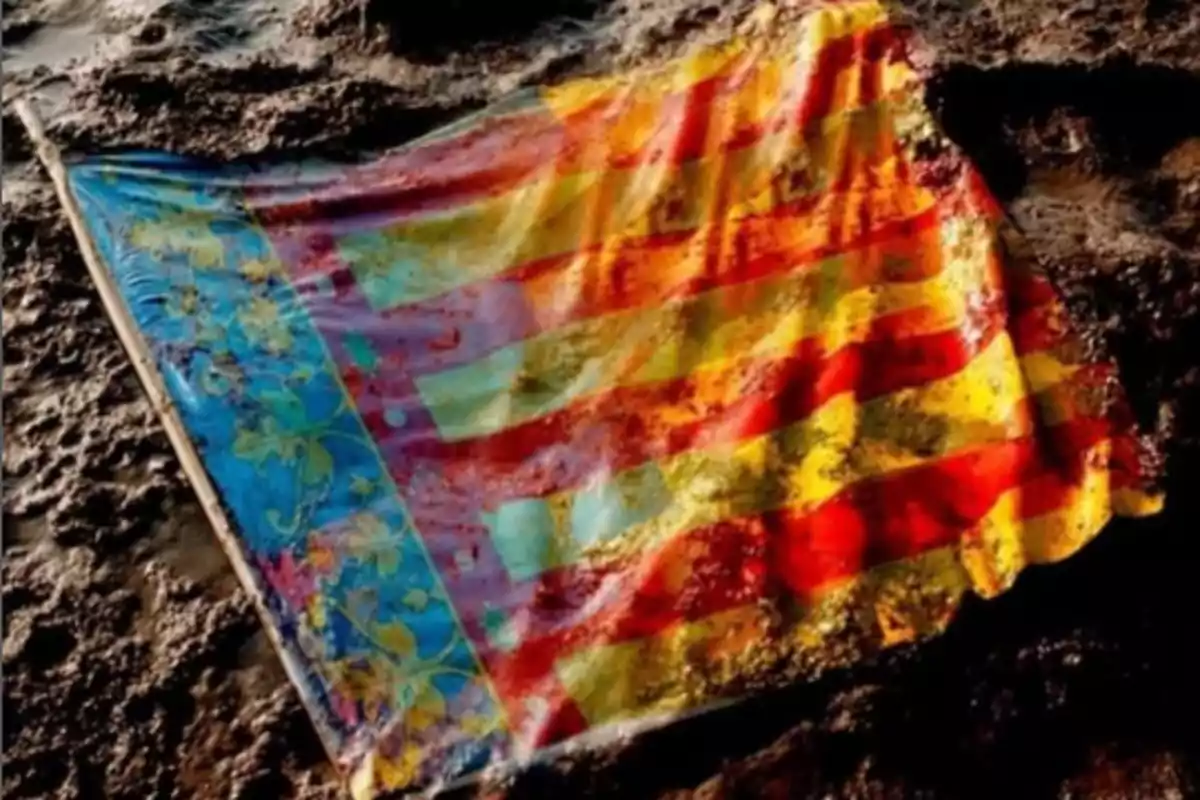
x=428, y=29
x=277, y=108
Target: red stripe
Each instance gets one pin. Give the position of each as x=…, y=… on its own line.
x=503, y=152
x=611, y=431
x=706, y=571
x=1040, y=321
x=430, y=333
x=831, y=60
x=498, y=154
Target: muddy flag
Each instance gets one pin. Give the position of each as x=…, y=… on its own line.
x=615, y=401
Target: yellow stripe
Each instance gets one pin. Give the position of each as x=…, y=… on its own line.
x=817, y=30
x=1136, y=503
x=809, y=462
x=554, y=214
x=702, y=198
x=698, y=662
x=646, y=87
x=798, y=466
x=662, y=673
x=708, y=333
x=1003, y=544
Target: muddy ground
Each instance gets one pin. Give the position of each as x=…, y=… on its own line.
x=133, y=665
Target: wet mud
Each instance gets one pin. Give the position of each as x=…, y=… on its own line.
x=133, y=664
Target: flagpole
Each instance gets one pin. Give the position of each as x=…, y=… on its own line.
x=160, y=399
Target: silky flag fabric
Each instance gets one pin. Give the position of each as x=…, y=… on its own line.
x=617, y=400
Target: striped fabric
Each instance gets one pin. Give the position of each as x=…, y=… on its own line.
x=617, y=400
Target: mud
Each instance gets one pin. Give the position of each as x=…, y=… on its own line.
x=133, y=665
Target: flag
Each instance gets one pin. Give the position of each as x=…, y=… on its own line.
x=616, y=401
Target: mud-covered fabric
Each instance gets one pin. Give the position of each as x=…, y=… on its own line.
x=617, y=400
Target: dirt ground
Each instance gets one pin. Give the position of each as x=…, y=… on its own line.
x=133, y=664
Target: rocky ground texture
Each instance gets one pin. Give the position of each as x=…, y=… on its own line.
x=133, y=664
